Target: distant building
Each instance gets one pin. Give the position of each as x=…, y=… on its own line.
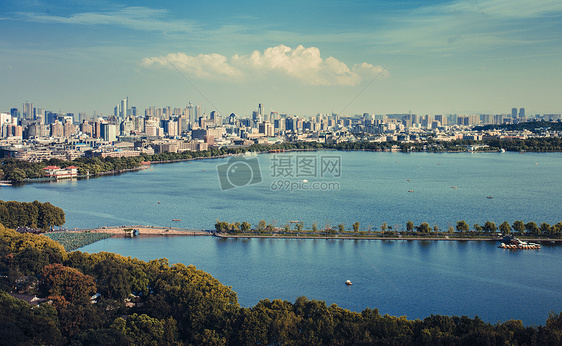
x=60, y=173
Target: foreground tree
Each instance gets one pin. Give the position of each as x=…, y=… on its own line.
x=69, y=283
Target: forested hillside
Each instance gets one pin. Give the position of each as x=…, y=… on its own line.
x=105, y=298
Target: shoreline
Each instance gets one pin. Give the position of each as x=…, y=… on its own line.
x=154, y=231
x=145, y=231
x=242, y=236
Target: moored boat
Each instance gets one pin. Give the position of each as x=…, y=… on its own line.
x=512, y=243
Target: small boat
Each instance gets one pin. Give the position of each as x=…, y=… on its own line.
x=410, y=190
x=489, y=197
x=454, y=187
x=347, y=282
x=176, y=220
x=158, y=202
x=305, y=181
x=293, y=221
x=407, y=179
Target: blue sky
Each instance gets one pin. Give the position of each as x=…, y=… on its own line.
x=295, y=57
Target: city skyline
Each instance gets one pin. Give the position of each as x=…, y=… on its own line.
x=451, y=57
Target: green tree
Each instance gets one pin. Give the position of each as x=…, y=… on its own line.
x=532, y=228
x=245, y=227
x=519, y=226
x=113, y=278
x=462, y=226
x=477, y=227
x=505, y=228
x=545, y=228
x=314, y=228
x=424, y=228
x=356, y=227
x=261, y=225
x=410, y=226
x=490, y=227
x=341, y=227
x=384, y=226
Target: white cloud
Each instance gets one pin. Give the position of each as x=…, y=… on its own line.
x=135, y=17
x=302, y=64
x=208, y=66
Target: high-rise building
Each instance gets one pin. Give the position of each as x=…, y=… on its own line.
x=521, y=112
x=514, y=112
x=28, y=112
x=40, y=114
x=108, y=132
x=123, y=108
x=198, y=113
x=441, y=119
x=190, y=115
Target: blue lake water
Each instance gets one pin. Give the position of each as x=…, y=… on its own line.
x=412, y=278
x=400, y=278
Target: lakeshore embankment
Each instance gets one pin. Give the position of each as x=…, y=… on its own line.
x=124, y=231
x=345, y=237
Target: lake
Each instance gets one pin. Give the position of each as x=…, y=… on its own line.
x=411, y=278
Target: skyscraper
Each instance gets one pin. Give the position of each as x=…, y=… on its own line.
x=28, y=111
x=198, y=113
x=514, y=112
x=260, y=112
x=521, y=112
x=190, y=115
x=123, y=108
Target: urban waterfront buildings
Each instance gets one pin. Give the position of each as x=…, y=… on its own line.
x=35, y=135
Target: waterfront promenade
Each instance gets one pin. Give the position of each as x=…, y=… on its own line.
x=377, y=237
x=122, y=231
x=147, y=230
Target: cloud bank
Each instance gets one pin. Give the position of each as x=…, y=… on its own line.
x=303, y=64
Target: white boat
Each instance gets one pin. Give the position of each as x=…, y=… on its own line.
x=347, y=282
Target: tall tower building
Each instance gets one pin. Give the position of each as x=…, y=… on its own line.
x=521, y=112
x=260, y=112
x=514, y=112
x=123, y=108
x=198, y=112
x=28, y=111
x=190, y=115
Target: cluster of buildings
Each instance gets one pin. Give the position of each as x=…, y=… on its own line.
x=34, y=134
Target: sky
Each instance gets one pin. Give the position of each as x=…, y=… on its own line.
x=295, y=57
